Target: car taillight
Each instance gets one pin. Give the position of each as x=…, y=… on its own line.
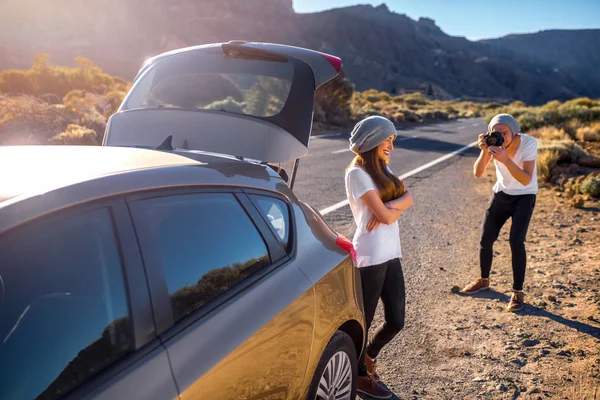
x=347, y=246
x=336, y=62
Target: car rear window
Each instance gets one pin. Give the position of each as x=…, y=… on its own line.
x=256, y=88
x=277, y=214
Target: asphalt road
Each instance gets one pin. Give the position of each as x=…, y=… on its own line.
x=435, y=162
x=320, y=179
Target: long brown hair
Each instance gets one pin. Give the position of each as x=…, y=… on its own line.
x=388, y=184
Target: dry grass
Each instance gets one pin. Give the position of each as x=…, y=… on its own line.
x=551, y=153
x=545, y=162
x=14, y=107
x=413, y=107
x=589, y=133
x=76, y=135
x=557, y=126
x=40, y=104
x=44, y=79
x=568, y=115
x=549, y=133
x=567, y=150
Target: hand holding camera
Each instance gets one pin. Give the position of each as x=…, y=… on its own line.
x=490, y=139
x=493, y=138
x=493, y=141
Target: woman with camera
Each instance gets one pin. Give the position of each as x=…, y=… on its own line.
x=377, y=199
x=514, y=195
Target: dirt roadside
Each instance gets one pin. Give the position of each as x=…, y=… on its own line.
x=458, y=347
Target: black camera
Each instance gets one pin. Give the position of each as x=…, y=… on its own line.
x=494, y=138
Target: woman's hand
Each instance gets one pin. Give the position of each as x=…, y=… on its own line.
x=402, y=203
x=373, y=223
x=381, y=211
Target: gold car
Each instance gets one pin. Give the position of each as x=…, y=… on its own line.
x=186, y=267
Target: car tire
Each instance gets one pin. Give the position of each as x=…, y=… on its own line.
x=336, y=376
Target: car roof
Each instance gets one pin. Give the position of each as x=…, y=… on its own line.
x=27, y=171
x=35, y=168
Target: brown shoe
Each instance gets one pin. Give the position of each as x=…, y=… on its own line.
x=367, y=385
x=372, y=367
x=477, y=286
x=517, y=301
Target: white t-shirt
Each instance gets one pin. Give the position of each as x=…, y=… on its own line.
x=505, y=182
x=381, y=244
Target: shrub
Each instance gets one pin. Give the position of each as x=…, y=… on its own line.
x=568, y=151
x=333, y=101
x=75, y=135
x=416, y=98
x=73, y=100
x=114, y=98
x=43, y=78
x=582, y=102
x=546, y=161
x=549, y=133
x=591, y=186
x=590, y=133
x=552, y=105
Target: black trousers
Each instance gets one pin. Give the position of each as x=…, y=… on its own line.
x=386, y=281
x=500, y=208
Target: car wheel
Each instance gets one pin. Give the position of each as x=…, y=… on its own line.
x=337, y=372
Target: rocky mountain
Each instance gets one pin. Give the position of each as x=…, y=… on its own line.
x=573, y=56
x=380, y=49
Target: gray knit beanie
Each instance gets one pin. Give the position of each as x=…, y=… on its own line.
x=507, y=120
x=370, y=132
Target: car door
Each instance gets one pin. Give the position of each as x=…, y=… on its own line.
x=75, y=317
x=251, y=100
x=235, y=315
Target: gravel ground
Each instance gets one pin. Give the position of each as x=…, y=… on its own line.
x=458, y=347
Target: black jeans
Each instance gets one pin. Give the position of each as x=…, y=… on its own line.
x=386, y=281
x=501, y=207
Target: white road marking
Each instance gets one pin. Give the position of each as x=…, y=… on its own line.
x=329, y=135
x=340, y=151
x=423, y=167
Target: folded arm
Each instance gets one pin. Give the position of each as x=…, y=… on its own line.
x=379, y=209
x=401, y=203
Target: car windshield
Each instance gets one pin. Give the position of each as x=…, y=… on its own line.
x=256, y=88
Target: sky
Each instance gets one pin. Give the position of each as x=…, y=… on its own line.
x=484, y=18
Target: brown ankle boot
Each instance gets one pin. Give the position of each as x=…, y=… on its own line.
x=367, y=385
x=517, y=301
x=477, y=286
x=372, y=367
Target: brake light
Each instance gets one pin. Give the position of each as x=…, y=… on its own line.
x=346, y=245
x=333, y=60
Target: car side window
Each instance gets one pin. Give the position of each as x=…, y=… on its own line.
x=277, y=214
x=64, y=313
x=206, y=243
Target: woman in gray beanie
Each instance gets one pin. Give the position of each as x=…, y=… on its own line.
x=377, y=199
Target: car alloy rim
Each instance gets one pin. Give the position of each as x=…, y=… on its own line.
x=336, y=381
